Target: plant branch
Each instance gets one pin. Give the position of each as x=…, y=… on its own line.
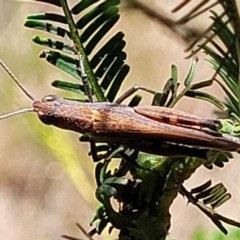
x=79, y=47
x=234, y=15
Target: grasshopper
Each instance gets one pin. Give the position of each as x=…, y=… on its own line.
x=150, y=129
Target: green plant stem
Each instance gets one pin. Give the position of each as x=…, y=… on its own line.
x=77, y=41
x=235, y=18
x=174, y=102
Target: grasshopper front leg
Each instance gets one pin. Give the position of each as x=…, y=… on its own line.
x=88, y=92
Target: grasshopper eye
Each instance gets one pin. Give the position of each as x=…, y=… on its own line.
x=49, y=98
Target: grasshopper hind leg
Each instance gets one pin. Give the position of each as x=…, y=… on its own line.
x=168, y=115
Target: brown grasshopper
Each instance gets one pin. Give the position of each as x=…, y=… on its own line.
x=151, y=129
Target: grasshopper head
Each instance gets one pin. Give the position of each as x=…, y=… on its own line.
x=65, y=114
x=51, y=110
x=46, y=108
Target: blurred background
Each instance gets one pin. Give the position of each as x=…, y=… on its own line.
x=46, y=176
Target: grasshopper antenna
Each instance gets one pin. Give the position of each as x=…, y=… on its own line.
x=16, y=80
x=20, y=111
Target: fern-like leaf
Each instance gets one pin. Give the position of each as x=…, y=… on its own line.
x=107, y=62
x=223, y=55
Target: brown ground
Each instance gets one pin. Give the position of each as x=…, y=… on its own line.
x=37, y=198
